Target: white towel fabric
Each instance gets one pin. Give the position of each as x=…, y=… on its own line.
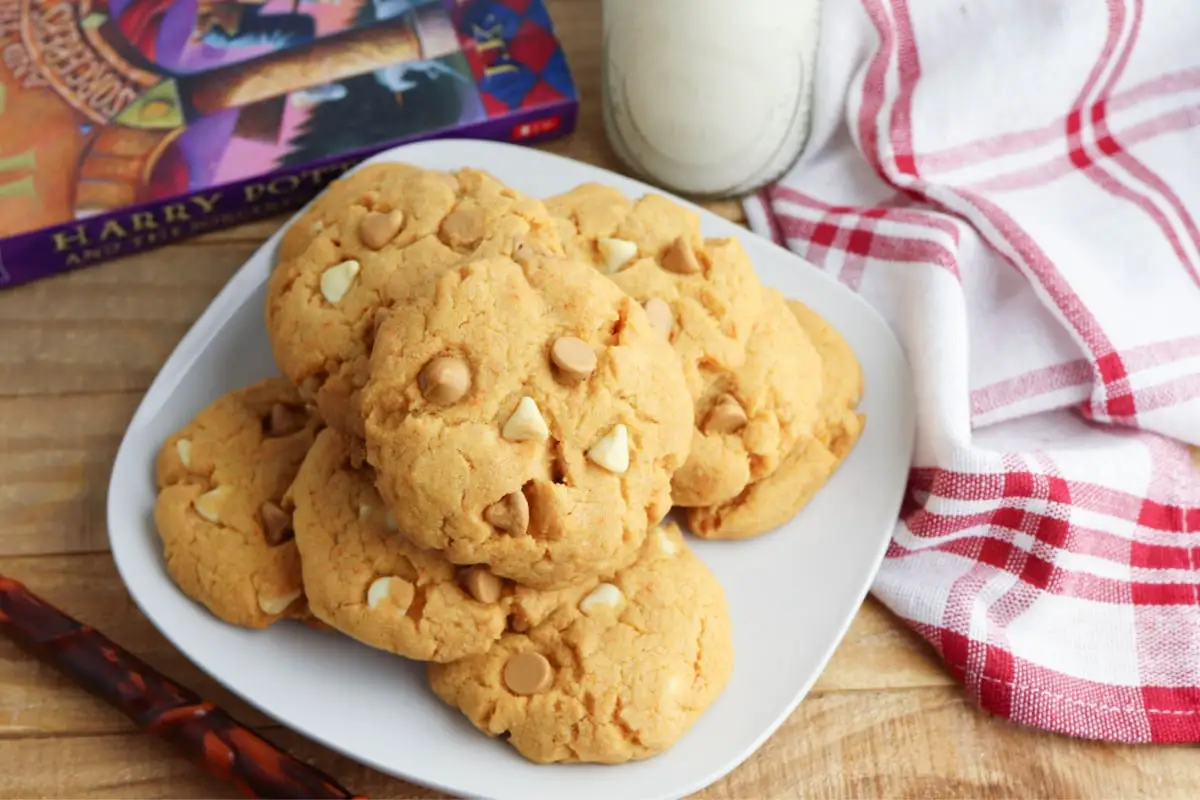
x=1016, y=187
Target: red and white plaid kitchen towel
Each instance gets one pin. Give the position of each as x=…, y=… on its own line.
x=1016, y=186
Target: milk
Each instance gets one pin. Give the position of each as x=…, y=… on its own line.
x=709, y=98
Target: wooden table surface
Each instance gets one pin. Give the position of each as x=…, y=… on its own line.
x=76, y=354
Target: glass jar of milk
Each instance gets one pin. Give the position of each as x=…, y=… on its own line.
x=709, y=98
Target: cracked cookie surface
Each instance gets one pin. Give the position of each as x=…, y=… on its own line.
x=772, y=397
x=365, y=579
x=369, y=238
x=769, y=503
x=526, y=416
x=720, y=321
x=221, y=478
x=621, y=675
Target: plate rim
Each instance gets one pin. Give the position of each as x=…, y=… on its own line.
x=241, y=285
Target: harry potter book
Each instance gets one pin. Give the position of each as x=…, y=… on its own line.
x=129, y=124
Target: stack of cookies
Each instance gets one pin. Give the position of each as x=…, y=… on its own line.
x=489, y=406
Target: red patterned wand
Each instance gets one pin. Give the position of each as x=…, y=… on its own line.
x=204, y=733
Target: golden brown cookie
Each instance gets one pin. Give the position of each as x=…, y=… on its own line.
x=226, y=533
x=365, y=579
x=750, y=418
x=620, y=675
x=652, y=248
x=326, y=209
x=769, y=503
x=526, y=416
x=392, y=226
x=750, y=404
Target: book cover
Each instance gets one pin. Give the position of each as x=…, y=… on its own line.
x=129, y=124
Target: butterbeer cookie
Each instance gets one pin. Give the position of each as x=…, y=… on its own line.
x=748, y=419
x=227, y=535
x=703, y=292
x=777, y=498
x=365, y=579
x=750, y=403
x=380, y=232
x=327, y=208
x=620, y=675
x=527, y=416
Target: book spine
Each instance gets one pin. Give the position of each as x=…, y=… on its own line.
x=104, y=237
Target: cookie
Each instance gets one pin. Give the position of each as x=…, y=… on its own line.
x=777, y=498
x=653, y=249
x=329, y=205
x=750, y=418
x=226, y=534
x=621, y=675
x=750, y=405
x=526, y=416
x=365, y=580
x=380, y=232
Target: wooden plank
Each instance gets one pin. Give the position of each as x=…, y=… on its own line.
x=877, y=653
x=58, y=454
x=107, y=328
x=36, y=700
x=918, y=743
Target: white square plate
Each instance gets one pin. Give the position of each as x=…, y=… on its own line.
x=792, y=593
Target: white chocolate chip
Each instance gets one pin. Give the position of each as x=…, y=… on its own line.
x=184, y=448
x=336, y=280
x=209, y=504
x=378, y=591
x=364, y=511
x=318, y=226
x=664, y=542
x=276, y=605
x=603, y=596
x=612, y=451
x=615, y=252
x=390, y=522
x=526, y=423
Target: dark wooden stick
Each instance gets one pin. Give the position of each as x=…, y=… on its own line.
x=205, y=734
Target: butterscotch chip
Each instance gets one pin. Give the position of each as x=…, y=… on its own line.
x=277, y=523
x=481, y=584
x=528, y=673
x=680, y=257
x=445, y=380
x=464, y=228
x=726, y=416
x=510, y=515
x=660, y=314
x=574, y=358
x=285, y=420
x=377, y=228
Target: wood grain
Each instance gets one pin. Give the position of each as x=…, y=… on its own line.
x=917, y=743
x=77, y=352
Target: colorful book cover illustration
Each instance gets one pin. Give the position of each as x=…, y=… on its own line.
x=129, y=124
